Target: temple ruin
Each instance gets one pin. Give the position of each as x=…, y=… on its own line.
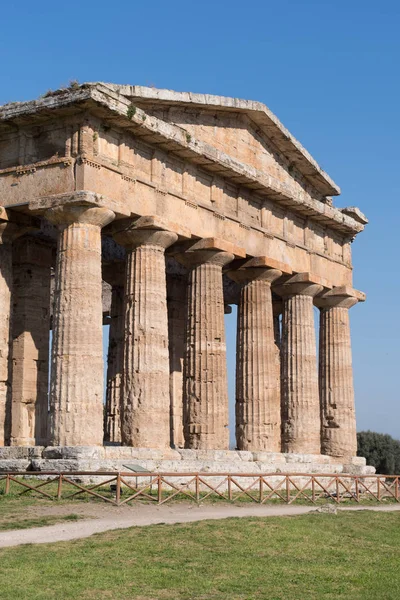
x=154, y=211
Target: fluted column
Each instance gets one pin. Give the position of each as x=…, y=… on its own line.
x=32, y=260
x=258, y=418
x=8, y=232
x=114, y=274
x=145, y=410
x=338, y=432
x=177, y=311
x=205, y=391
x=76, y=385
x=299, y=373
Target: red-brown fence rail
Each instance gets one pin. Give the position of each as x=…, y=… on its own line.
x=127, y=487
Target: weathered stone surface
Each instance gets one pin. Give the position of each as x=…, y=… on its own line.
x=169, y=461
x=30, y=347
x=73, y=452
x=76, y=387
x=5, y=322
x=338, y=419
x=145, y=411
x=300, y=399
x=177, y=314
x=229, y=180
x=205, y=392
x=14, y=465
x=9, y=231
x=17, y=452
x=258, y=398
x=115, y=275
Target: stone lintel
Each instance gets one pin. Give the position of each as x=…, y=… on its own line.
x=343, y=296
x=79, y=198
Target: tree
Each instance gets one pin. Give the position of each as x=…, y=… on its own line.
x=381, y=451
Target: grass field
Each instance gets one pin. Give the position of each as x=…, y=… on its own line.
x=354, y=555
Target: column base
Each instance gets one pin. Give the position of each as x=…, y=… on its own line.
x=117, y=458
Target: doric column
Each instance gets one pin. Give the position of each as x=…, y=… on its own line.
x=76, y=385
x=338, y=433
x=32, y=260
x=145, y=412
x=177, y=311
x=8, y=232
x=299, y=374
x=114, y=274
x=205, y=392
x=258, y=402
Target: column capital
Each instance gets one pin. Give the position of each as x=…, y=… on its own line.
x=85, y=214
x=208, y=251
x=260, y=268
x=147, y=231
x=301, y=284
x=343, y=297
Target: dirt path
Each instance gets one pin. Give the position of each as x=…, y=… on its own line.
x=122, y=517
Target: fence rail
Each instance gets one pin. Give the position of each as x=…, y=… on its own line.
x=125, y=487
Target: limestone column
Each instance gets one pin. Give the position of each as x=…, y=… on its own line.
x=338, y=431
x=205, y=391
x=177, y=311
x=258, y=402
x=299, y=374
x=145, y=409
x=76, y=385
x=114, y=274
x=8, y=232
x=32, y=260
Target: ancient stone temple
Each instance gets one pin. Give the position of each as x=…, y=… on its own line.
x=153, y=211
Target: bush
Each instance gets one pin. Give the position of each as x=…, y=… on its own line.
x=381, y=451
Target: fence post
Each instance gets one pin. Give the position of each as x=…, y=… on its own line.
x=379, y=489
x=197, y=488
x=118, y=490
x=337, y=489
x=59, y=487
x=357, y=490
x=261, y=489
x=229, y=487
x=287, y=490
x=313, y=489
x=7, y=490
x=159, y=489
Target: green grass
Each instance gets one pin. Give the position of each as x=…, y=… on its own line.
x=351, y=555
x=13, y=521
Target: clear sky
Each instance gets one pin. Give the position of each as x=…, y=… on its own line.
x=330, y=71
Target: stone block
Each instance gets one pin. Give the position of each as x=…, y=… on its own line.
x=269, y=457
x=14, y=465
x=73, y=452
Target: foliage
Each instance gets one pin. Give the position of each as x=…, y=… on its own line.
x=381, y=451
x=352, y=554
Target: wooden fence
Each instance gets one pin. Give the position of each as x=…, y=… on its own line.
x=126, y=487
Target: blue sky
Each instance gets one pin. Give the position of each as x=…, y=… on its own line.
x=329, y=70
